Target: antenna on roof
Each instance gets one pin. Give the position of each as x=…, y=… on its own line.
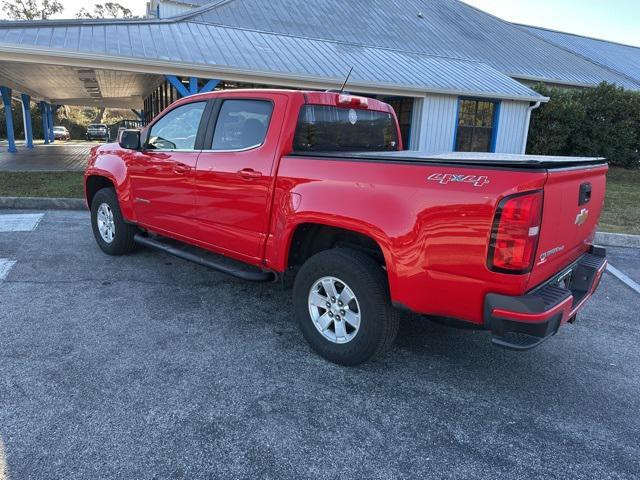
x=344, y=84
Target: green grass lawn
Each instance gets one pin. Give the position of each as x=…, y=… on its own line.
x=621, y=213
x=41, y=184
x=622, y=203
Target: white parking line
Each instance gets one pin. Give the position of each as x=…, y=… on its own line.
x=5, y=267
x=19, y=222
x=4, y=470
x=623, y=278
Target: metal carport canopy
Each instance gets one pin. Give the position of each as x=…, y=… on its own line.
x=178, y=47
x=67, y=85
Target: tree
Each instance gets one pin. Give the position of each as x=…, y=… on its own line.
x=31, y=9
x=105, y=10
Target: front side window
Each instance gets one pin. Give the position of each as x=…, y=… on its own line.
x=242, y=124
x=476, y=120
x=323, y=128
x=177, y=130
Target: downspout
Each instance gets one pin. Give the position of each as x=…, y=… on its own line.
x=526, y=126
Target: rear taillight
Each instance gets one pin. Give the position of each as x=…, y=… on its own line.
x=514, y=237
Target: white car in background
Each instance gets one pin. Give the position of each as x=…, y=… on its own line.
x=61, y=133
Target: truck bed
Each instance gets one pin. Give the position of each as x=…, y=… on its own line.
x=463, y=158
x=437, y=213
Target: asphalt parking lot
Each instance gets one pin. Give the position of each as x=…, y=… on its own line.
x=146, y=366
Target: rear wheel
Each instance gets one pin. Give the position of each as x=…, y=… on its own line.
x=342, y=305
x=113, y=235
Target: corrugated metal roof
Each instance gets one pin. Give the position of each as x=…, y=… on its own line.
x=261, y=53
x=195, y=3
x=624, y=59
x=413, y=45
x=446, y=28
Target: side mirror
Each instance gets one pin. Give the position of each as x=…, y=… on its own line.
x=130, y=139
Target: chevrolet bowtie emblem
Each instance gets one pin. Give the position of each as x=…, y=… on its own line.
x=582, y=217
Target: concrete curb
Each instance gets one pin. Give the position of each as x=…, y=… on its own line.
x=617, y=240
x=42, y=203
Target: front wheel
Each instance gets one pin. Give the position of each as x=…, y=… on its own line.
x=113, y=235
x=342, y=305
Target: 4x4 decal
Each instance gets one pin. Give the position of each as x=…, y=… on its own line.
x=444, y=178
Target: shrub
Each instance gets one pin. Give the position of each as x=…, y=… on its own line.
x=602, y=121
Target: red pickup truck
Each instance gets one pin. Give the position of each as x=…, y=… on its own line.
x=313, y=188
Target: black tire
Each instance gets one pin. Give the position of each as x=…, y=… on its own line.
x=368, y=281
x=122, y=241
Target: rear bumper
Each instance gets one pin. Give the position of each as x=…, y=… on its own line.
x=521, y=323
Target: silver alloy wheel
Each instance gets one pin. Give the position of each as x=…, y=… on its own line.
x=106, y=225
x=334, y=310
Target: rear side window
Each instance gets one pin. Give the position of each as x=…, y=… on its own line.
x=324, y=128
x=177, y=129
x=242, y=124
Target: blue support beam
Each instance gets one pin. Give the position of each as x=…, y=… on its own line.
x=26, y=117
x=177, y=84
x=8, y=114
x=49, y=122
x=209, y=86
x=47, y=113
x=52, y=115
x=45, y=122
x=193, y=85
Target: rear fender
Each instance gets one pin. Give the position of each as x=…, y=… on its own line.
x=279, y=243
x=350, y=224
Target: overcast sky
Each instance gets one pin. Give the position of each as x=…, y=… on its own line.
x=616, y=20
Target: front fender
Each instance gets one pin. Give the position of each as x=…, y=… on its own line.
x=109, y=162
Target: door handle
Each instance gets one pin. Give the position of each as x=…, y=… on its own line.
x=181, y=168
x=249, y=173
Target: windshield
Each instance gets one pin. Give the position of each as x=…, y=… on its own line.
x=97, y=125
x=59, y=129
x=324, y=128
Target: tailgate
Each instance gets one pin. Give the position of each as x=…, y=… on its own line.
x=573, y=200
